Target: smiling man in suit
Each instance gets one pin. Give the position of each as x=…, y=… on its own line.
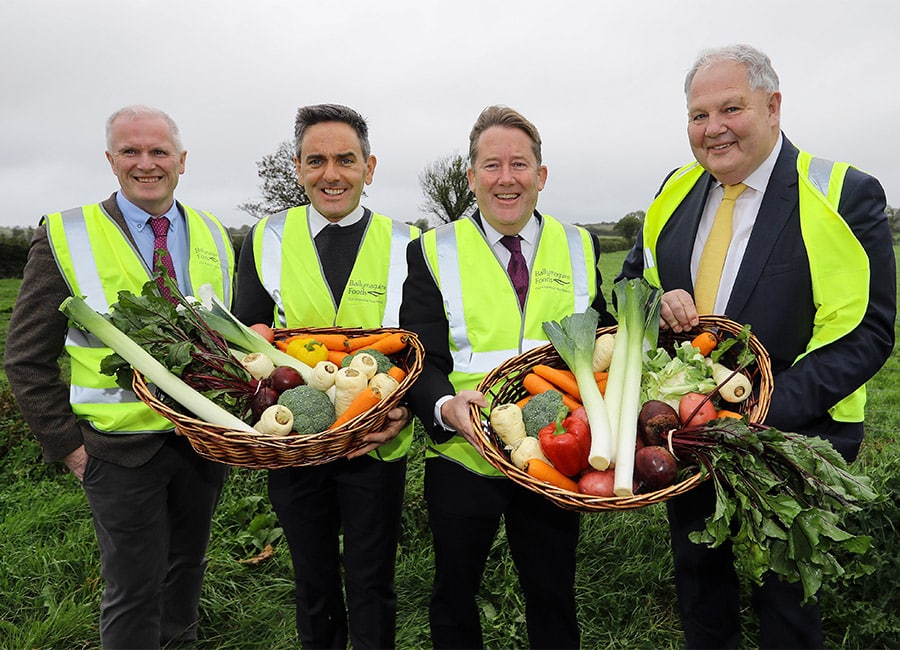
x=808, y=263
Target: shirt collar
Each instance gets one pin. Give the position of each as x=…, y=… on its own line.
x=136, y=218
x=759, y=179
x=317, y=222
x=529, y=232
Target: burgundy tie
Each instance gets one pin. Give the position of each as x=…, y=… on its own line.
x=517, y=268
x=161, y=256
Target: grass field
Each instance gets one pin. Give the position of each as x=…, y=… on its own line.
x=50, y=584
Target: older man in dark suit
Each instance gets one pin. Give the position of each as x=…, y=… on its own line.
x=151, y=496
x=805, y=257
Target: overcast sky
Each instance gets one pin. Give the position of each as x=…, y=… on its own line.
x=601, y=80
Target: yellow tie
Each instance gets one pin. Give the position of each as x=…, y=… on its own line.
x=709, y=271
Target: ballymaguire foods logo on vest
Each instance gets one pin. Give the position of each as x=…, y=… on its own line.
x=549, y=280
x=366, y=291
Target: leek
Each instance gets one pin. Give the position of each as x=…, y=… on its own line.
x=214, y=312
x=638, y=307
x=573, y=337
x=112, y=337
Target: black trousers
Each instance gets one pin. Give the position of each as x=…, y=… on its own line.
x=708, y=588
x=153, y=524
x=464, y=512
x=363, y=498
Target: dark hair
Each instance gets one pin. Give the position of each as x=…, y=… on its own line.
x=506, y=117
x=317, y=113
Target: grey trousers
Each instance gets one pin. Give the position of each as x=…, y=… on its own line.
x=153, y=526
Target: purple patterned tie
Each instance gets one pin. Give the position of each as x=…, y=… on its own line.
x=161, y=256
x=517, y=268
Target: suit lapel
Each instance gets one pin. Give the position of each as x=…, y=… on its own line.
x=779, y=202
x=679, y=234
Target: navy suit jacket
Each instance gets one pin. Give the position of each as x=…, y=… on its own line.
x=773, y=293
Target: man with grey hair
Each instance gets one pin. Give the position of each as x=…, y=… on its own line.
x=802, y=253
x=152, y=498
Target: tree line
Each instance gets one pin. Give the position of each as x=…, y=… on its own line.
x=443, y=182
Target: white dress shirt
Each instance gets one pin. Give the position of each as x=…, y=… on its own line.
x=745, y=210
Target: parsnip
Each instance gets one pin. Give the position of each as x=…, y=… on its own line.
x=506, y=420
x=384, y=384
x=365, y=363
x=603, y=351
x=323, y=375
x=526, y=449
x=734, y=388
x=277, y=420
x=348, y=383
x=258, y=365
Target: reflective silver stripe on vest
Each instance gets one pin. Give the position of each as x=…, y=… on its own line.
x=400, y=237
x=451, y=289
x=820, y=174
x=84, y=395
x=464, y=359
x=222, y=245
x=270, y=264
x=579, y=269
x=83, y=264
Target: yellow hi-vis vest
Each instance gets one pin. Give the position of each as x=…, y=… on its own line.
x=288, y=266
x=486, y=324
x=838, y=264
x=97, y=261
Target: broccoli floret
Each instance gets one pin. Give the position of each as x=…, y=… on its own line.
x=541, y=410
x=384, y=363
x=312, y=409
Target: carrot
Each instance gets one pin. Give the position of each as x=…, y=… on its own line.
x=562, y=379
x=705, y=342
x=522, y=402
x=367, y=340
x=336, y=356
x=543, y=471
x=536, y=384
x=281, y=345
x=397, y=373
x=335, y=342
x=601, y=382
x=724, y=413
x=391, y=344
x=360, y=404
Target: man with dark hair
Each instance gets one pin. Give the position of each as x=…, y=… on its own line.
x=302, y=268
x=478, y=292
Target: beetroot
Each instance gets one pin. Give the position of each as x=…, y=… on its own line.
x=284, y=378
x=262, y=399
x=655, y=467
x=655, y=420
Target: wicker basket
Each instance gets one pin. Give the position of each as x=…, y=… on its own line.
x=266, y=451
x=504, y=385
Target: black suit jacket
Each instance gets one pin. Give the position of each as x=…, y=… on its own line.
x=773, y=293
x=422, y=311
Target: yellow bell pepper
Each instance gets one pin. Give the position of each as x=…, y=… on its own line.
x=308, y=350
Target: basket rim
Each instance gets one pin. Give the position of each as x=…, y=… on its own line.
x=498, y=458
x=268, y=451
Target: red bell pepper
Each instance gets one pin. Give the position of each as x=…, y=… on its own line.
x=567, y=444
